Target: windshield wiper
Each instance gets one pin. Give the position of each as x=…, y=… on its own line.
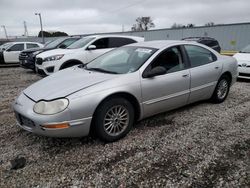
x=100, y=70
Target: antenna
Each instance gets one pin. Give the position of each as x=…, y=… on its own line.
x=25, y=29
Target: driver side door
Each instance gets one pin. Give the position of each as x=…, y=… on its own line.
x=102, y=46
x=170, y=90
x=12, y=53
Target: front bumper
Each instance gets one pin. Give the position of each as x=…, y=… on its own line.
x=244, y=72
x=30, y=121
x=27, y=64
x=47, y=68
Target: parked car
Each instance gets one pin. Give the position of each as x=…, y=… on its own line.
x=81, y=52
x=122, y=86
x=208, y=41
x=4, y=46
x=243, y=58
x=27, y=57
x=11, y=52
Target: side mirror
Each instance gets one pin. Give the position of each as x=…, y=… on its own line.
x=8, y=50
x=3, y=49
x=155, y=72
x=63, y=46
x=92, y=47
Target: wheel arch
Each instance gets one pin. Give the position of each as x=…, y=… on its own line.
x=229, y=75
x=131, y=98
x=76, y=61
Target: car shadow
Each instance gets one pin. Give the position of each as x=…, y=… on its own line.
x=243, y=80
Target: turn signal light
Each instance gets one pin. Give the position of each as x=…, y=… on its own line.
x=56, y=126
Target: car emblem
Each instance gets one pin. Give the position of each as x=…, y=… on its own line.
x=244, y=64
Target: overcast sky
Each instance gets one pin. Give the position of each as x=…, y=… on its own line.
x=93, y=16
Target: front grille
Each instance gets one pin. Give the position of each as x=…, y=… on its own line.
x=25, y=121
x=244, y=74
x=39, y=61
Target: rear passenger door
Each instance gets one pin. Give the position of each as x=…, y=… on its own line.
x=12, y=53
x=102, y=46
x=204, y=70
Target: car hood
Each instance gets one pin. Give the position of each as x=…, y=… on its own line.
x=56, y=52
x=36, y=49
x=242, y=57
x=64, y=83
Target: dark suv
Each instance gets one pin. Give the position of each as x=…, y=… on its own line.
x=208, y=41
x=27, y=57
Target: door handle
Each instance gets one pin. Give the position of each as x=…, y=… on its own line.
x=185, y=75
x=216, y=67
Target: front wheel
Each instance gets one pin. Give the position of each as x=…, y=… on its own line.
x=222, y=89
x=113, y=119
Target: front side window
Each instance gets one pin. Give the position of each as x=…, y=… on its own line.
x=122, y=60
x=199, y=56
x=101, y=43
x=170, y=59
x=30, y=45
x=17, y=47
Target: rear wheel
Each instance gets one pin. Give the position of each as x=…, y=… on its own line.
x=222, y=89
x=113, y=119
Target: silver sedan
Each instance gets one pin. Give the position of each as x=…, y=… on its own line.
x=122, y=86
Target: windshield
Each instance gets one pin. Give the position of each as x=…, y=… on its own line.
x=6, y=45
x=246, y=49
x=55, y=43
x=122, y=60
x=80, y=43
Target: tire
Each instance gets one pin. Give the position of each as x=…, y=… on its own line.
x=221, y=90
x=113, y=119
x=67, y=65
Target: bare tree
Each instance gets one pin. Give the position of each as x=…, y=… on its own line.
x=143, y=24
x=209, y=24
x=175, y=26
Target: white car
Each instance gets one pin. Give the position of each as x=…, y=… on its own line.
x=80, y=52
x=243, y=58
x=10, y=53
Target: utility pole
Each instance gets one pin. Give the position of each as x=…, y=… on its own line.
x=41, y=24
x=122, y=27
x=25, y=29
x=4, y=28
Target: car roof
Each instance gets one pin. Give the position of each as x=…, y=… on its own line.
x=198, y=38
x=161, y=43
x=119, y=36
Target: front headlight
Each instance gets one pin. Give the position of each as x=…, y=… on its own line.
x=51, y=107
x=53, y=58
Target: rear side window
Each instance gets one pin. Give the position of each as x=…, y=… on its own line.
x=118, y=42
x=199, y=56
x=101, y=43
x=17, y=47
x=30, y=45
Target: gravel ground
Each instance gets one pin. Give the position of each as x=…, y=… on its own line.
x=200, y=145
